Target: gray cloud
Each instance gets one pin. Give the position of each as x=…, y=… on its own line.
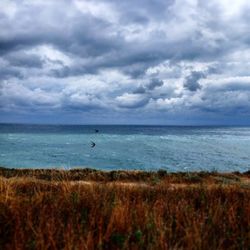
x=6, y=73
x=192, y=81
x=140, y=90
x=151, y=85
x=154, y=83
x=21, y=59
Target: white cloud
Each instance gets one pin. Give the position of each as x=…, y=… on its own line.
x=98, y=9
x=8, y=8
x=128, y=100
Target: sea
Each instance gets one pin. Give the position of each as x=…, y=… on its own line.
x=127, y=147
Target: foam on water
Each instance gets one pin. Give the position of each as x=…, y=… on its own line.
x=126, y=147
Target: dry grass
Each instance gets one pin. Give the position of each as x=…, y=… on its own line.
x=89, y=209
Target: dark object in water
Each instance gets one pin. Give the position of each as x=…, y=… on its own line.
x=97, y=130
x=92, y=144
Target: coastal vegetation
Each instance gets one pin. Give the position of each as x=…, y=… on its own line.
x=92, y=209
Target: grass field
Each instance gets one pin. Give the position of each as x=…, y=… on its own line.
x=91, y=209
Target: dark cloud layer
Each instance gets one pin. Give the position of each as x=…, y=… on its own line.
x=165, y=60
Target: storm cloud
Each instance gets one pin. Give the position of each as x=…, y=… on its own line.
x=165, y=62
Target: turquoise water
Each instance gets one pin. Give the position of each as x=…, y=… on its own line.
x=126, y=147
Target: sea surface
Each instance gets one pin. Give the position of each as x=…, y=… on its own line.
x=172, y=148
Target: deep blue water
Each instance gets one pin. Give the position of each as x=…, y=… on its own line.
x=126, y=147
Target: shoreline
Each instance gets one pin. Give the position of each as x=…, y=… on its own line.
x=91, y=174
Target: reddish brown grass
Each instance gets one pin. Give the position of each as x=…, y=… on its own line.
x=130, y=210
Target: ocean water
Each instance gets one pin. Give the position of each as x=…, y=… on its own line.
x=126, y=147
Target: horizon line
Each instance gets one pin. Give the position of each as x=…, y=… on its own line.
x=125, y=124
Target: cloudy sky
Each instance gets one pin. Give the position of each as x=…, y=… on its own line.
x=127, y=62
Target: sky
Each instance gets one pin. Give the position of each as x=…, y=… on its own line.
x=173, y=62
